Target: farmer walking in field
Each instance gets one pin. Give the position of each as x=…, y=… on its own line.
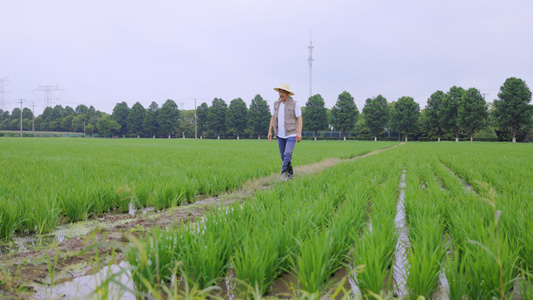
x=287, y=124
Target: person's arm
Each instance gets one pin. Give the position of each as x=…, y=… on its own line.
x=300, y=125
x=270, y=129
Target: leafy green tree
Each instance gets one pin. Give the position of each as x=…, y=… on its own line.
x=315, y=115
x=376, y=115
x=512, y=109
x=187, y=123
x=120, y=115
x=66, y=123
x=136, y=119
x=236, y=116
x=78, y=123
x=450, y=108
x=81, y=109
x=472, y=112
x=259, y=116
x=201, y=118
x=168, y=117
x=344, y=113
x=68, y=111
x=434, y=109
x=216, y=116
x=405, y=115
x=106, y=126
x=151, y=125
x=27, y=113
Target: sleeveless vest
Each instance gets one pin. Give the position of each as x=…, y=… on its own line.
x=291, y=124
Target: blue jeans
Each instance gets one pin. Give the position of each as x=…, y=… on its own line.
x=286, y=146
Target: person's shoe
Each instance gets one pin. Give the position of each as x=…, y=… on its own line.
x=290, y=176
x=284, y=176
x=289, y=169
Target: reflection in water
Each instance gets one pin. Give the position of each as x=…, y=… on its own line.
x=82, y=287
x=400, y=258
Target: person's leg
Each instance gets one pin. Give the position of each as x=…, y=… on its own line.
x=287, y=155
x=282, y=144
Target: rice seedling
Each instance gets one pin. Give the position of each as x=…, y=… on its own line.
x=9, y=219
x=315, y=264
x=375, y=251
x=42, y=215
x=51, y=263
x=76, y=207
x=257, y=263
x=207, y=257
x=152, y=259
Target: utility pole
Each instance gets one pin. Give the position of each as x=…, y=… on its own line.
x=33, y=117
x=310, y=61
x=2, y=92
x=195, y=128
x=47, y=89
x=20, y=117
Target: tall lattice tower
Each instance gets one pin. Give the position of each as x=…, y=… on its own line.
x=310, y=60
x=47, y=89
x=3, y=92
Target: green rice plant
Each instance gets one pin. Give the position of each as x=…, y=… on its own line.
x=76, y=205
x=346, y=225
x=526, y=285
x=142, y=195
x=52, y=267
x=151, y=259
x=315, y=264
x=9, y=219
x=169, y=195
x=124, y=197
x=256, y=263
x=375, y=251
x=454, y=269
x=102, y=198
x=43, y=215
x=207, y=256
x=491, y=268
x=425, y=263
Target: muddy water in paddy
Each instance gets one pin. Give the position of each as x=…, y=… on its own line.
x=26, y=257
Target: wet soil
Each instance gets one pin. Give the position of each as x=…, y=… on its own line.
x=83, y=248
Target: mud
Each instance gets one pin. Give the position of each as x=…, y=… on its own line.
x=80, y=250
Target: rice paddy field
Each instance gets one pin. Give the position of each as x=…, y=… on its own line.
x=435, y=220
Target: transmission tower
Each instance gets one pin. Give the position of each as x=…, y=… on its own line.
x=47, y=89
x=2, y=92
x=310, y=60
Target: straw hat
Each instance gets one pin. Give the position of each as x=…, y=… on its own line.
x=285, y=87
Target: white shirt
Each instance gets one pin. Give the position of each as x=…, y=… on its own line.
x=281, y=116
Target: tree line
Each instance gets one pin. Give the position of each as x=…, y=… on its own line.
x=452, y=115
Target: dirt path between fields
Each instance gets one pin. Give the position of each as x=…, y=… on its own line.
x=28, y=268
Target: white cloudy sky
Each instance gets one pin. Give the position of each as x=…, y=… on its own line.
x=105, y=52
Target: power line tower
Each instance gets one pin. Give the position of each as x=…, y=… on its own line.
x=48, y=89
x=2, y=92
x=310, y=61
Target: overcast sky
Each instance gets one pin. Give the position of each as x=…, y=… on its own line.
x=105, y=52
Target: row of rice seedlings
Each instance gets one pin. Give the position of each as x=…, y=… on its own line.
x=426, y=228
x=325, y=252
x=375, y=250
x=490, y=256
